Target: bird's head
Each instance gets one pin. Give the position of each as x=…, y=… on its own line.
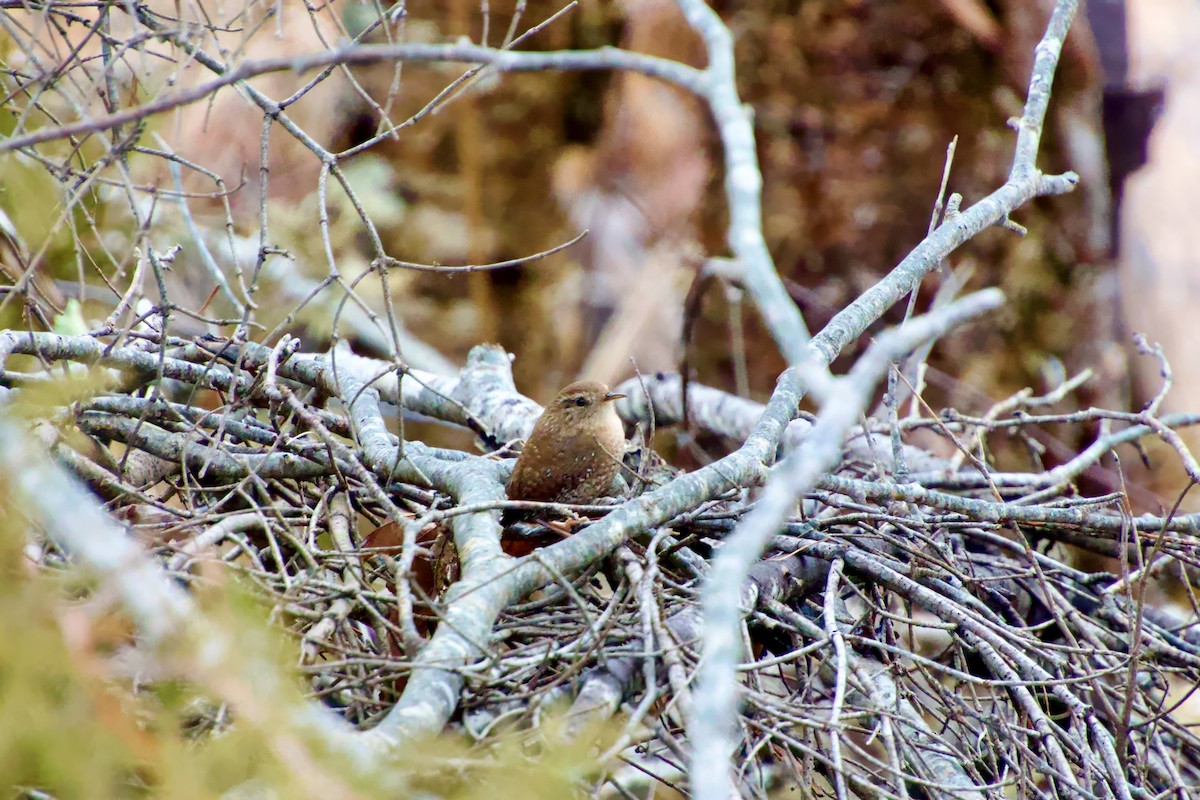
x=583, y=401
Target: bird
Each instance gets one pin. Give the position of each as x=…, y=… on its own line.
x=574, y=451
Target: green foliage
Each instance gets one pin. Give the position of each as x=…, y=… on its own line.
x=30, y=196
x=76, y=729
x=39, y=401
x=85, y=714
x=55, y=736
x=516, y=766
x=71, y=321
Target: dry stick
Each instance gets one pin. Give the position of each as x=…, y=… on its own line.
x=715, y=699
x=451, y=90
x=946, y=292
x=642, y=582
x=671, y=644
x=388, y=261
x=692, y=305
x=1149, y=415
x=1004, y=659
x=745, y=467
x=289, y=365
x=484, y=593
x=274, y=112
x=715, y=85
x=834, y=632
x=732, y=417
x=206, y=258
x=919, y=742
x=439, y=402
x=743, y=184
x=712, y=743
x=351, y=55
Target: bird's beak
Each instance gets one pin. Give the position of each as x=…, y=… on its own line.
x=608, y=398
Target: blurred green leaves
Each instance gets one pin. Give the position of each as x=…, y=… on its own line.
x=87, y=713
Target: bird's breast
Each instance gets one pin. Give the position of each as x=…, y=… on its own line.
x=571, y=469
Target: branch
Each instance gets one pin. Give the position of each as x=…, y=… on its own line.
x=604, y=58
x=712, y=732
x=743, y=184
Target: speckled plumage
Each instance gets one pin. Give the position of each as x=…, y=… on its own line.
x=575, y=449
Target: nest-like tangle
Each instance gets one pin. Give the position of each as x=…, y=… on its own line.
x=901, y=639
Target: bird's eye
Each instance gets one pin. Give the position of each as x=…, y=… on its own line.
x=581, y=401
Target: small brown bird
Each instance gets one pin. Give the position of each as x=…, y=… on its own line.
x=574, y=451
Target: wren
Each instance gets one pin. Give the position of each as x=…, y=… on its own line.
x=574, y=451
